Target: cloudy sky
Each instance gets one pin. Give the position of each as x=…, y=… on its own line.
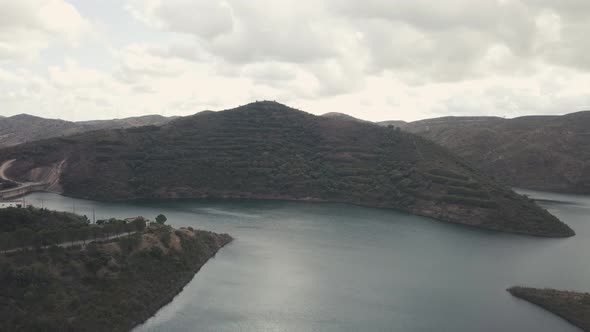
x=373, y=59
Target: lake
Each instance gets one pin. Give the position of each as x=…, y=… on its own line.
x=333, y=267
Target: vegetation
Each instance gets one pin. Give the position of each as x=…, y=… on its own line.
x=6, y=184
x=549, y=153
x=267, y=150
x=571, y=306
x=34, y=228
x=23, y=128
x=161, y=219
x=109, y=286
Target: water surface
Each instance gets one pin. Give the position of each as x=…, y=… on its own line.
x=333, y=267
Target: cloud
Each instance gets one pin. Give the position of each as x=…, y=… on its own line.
x=423, y=41
x=215, y=17
x=270, y=73
x=138, y=62
x=375, y=59
x=28, y=26
x=244, y=31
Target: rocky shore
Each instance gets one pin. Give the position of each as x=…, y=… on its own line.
x=571, y=306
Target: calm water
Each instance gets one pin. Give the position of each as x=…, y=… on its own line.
x=331, y=267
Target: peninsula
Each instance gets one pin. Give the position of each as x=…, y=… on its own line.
x=112, y=284
x=571, y=306
x=266, y=150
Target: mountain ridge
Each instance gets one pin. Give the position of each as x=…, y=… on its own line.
x=21, y=128
x=549, y=153
x=271, y=151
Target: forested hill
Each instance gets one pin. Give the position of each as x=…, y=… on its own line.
x=270, y=151
x=549, y=153
x=23, y=128
x=98, y=284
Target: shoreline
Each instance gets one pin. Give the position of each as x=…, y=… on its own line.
x=169, y=298
x=572, y=307
x=285, y=198
x=135, y=276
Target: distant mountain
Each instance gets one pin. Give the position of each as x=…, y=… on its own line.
x=23, y=128
x=266, y=150
x=147, y=120
x=342, y=116
x=549, y=153
x=395, y=123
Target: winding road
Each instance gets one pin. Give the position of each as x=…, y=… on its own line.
x=6, y=165
x=68, y=244
x=22, y=188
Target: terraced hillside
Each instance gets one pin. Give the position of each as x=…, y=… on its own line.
x=550, y=153
x=266, y=150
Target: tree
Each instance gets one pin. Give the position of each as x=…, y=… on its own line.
x=139, y=224
x=82, y=234
x=161, y=219
x=24, y=237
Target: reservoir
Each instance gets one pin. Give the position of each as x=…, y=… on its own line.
x=334, y=267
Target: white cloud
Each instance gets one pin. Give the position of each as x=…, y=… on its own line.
x=244, y=31
x=374, y=59
x=141, y=61
x=202, y=18
x=28, y=26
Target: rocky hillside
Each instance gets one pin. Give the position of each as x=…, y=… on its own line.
x=270, y=151
x=549, y=153
x=571, y=306
x=23, y=128
x=107, y=286
x=342, y=116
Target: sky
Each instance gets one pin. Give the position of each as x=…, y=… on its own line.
x=372, y=59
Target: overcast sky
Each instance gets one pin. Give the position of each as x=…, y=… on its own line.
x=373, y=59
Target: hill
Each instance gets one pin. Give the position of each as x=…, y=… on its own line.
x=23, y=128
x=107, y=286
x=342, y=116
x=146, y=120
x=266, y=150
x=571, y=306
x=395, y=123
x=550, y=153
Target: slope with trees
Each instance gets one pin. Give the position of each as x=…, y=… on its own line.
x=266, y=150
x=106, y=286
x=550, y=153
x=24, y=128
x=38, y=228
x=571, y=306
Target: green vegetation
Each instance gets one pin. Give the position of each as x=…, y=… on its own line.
x=266, y=150
x=107, y=286
x=550, y=153
x=23, y=128
x=161, y=219
x=32, y=227
x=571, y=306
x=6, y=184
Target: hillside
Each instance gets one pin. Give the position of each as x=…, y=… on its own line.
x=23, y=128
x=549, y=153
x=108, y=286
x=571, y=306
x=266, y=150
x=342, y=116
x=147, y=120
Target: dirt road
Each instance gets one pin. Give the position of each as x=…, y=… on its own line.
x=6, y=165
